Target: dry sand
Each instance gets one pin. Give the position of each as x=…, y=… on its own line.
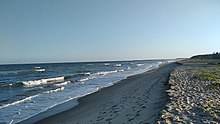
x=193, y=100
x=138, y=99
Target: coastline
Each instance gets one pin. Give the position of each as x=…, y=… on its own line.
x=138, y=101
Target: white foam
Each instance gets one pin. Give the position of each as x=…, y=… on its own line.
x=107, y=64
x=102, y=73
x=30, y=97
x=37, y=67
x=108, y=72
x=56, y=90
x=120, y=70
x=87, y=73
x=105, y=72
x=40, y=70
x=139, y=64
x=63, y=83
x=19, y=101
x=11, y=121
x=83, y=80
x=118, y=65
x=42, y=81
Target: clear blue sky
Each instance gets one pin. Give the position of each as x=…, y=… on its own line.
x=92, y=30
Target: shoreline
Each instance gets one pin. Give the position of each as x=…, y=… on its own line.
x=104, y=97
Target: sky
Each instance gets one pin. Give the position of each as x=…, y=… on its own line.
x=33, y=31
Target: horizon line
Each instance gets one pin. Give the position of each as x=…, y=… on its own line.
x=92, y=61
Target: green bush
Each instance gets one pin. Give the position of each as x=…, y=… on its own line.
x=208, y=77
x=217, y=83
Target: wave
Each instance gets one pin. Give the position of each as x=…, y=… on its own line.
x=118, y=65
x=139, y=64
x=87, y=73
x=55, y=90
x=61, y=84
x=40, y=70
x=31, y=97
x=120, y=70
x=43, y=81
x=107, y=64
x=87, y=76
x=69, y=77
x=83, y=80
x=108, y=72
x=38, y=67
x=19, y=101
x=94, y=75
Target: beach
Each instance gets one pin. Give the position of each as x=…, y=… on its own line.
x=137, y=99
x=27, y=92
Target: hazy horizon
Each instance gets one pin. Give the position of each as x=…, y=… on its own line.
x=46, y=31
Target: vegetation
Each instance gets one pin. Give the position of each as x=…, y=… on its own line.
x=215, y=55
x=211, y=72
x=216, y=83
x=207, y=77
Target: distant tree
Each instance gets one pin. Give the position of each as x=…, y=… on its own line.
x=215, y=53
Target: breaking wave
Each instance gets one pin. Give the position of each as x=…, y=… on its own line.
x=62, y=84
x=83, y=80
x=19, y=101
x=55, y=90
x=139, y=64
x=31, y=97
x=107, y=64
x=87, y=73
x=94, y=75
x=43, y=81
x=118, y=65
x=37, y=67
x=108, y=72
x=87, y=76
x=39, y=70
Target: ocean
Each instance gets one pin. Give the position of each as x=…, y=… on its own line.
x=27, y=90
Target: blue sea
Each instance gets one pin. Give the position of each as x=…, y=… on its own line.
x=29, y=89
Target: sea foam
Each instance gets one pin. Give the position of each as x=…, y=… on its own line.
x=55, y=90
x=43, y=81
x=37, y=67
x=139, y=64
x=63, y=83
x=19, y=101
x=108, y=72
x=118, y=65
x=39, y=70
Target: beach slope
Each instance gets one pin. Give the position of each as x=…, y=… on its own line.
x=138, y=99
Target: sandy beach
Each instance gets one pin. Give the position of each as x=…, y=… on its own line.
x=139, y=99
